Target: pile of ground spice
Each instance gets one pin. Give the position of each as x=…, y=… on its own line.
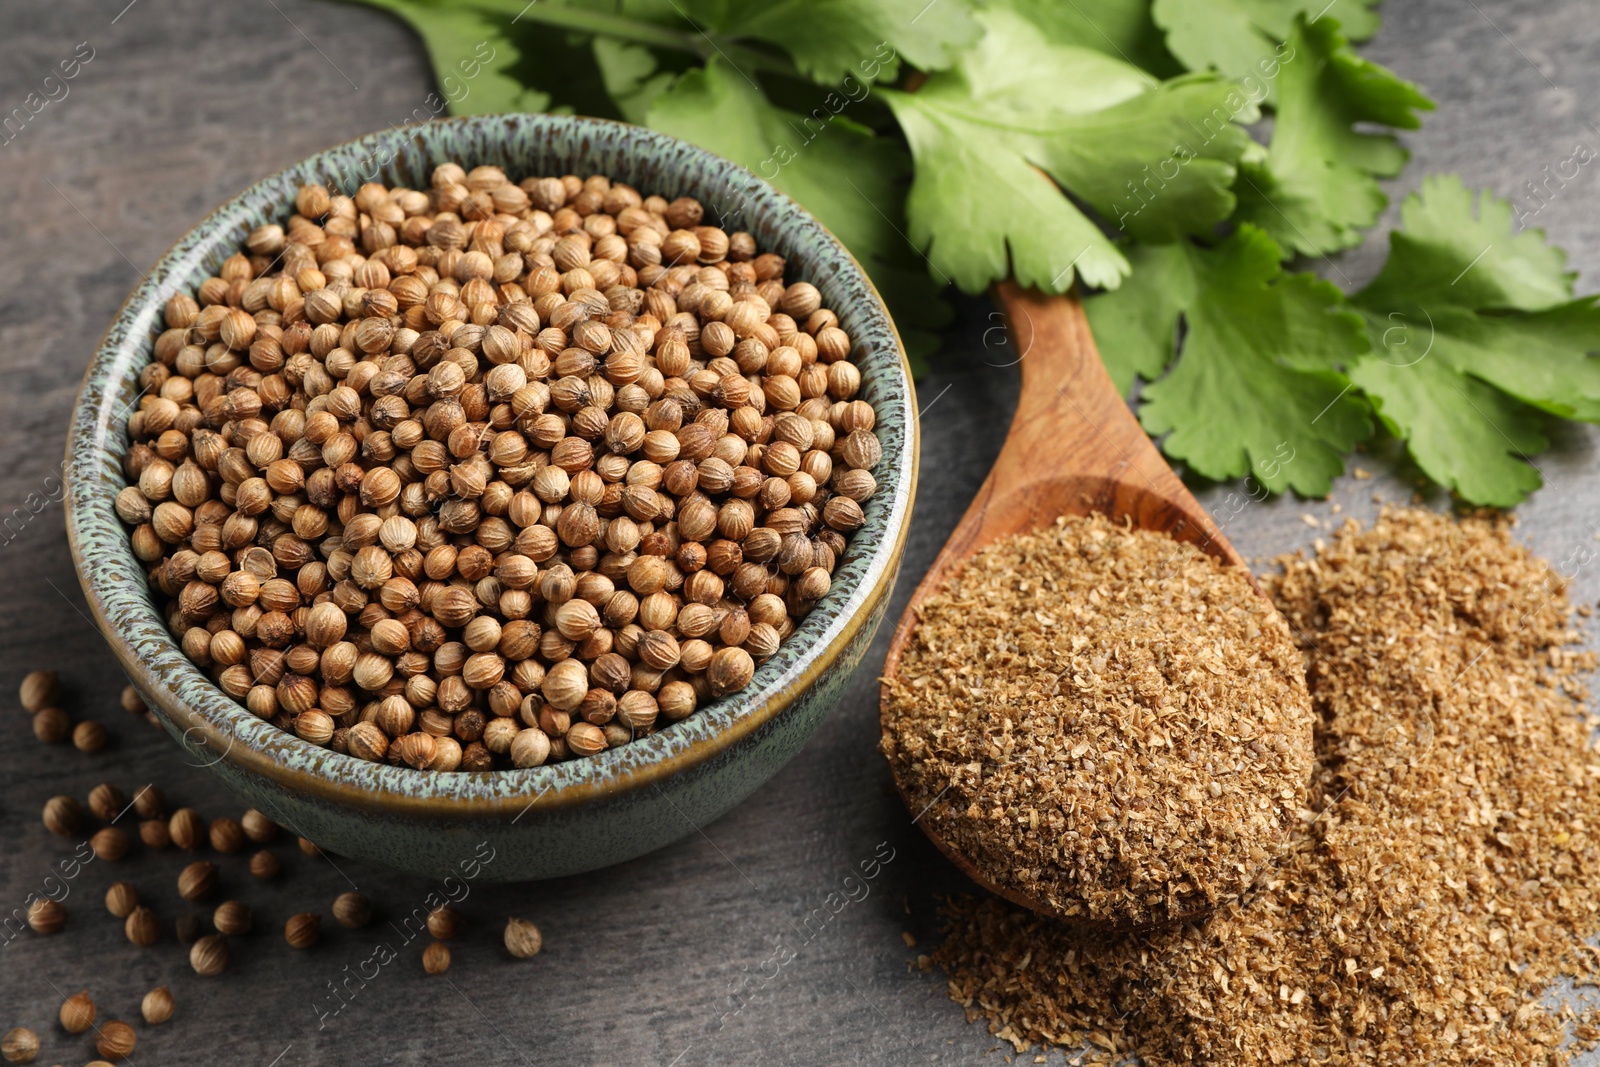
x=1103, y=720
x=1445, y=884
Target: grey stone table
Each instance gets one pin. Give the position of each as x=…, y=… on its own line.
x=701, y=953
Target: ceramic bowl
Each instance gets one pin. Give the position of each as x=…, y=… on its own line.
x=544, y=821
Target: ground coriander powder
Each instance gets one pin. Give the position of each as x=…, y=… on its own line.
x=1104, y=720
x=1443, y=878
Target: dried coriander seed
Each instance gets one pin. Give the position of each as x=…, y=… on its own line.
x=109, y=843
x=226, y=835
x=436, y=958
x=265, y=865
x=209, y=955
x=39, y=690
x=198, y=880
x=115, y=1041
x=132, y=702
x=121, y=899
x=232, y=917
x=19, y=1045
x=142, y=927
x=46, y=916
x=106, y=801
x=52, y=726
x=308, y=847
x=579, y=386
x=187, y=829
x=157, y=1005
x=444, y=922
x=63, y=816
x=522, y=938
x=303, y=930
x=155, y=834
x=258, y=828
x=150, y=803
x=89, y=736
x=352, y=910
x=77, y=1013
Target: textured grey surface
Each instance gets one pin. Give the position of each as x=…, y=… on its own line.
x=724, y=948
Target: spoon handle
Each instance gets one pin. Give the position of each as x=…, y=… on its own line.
x=1074, y=446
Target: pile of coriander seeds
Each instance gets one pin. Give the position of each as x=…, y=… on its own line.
x=495, y=473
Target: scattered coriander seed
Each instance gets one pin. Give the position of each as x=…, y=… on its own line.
x=109, y=843
x=19, y=1045
x=352, y=910
x=40, y=690
x=444, y=922
x=106, y=801
x=63, y=816
x=142, y=927
x=115, y=1041
x=156, y=1007
x=258, y=828
x=581, y=388
x=189, y=927
x=47, y=916
x=121, y=899
x=150, y=803
x=303, y=930
x=209, y=955
x=309, y=847
x=154, y=833
x=77, y=1012
x=265, y=865
x=187, y=828
x=226, y=834
x=88, y=736
x=198, y=880
x=232, y=917
x=436, y=958
x=52, y=726
x=132, y=702
x=522, y=938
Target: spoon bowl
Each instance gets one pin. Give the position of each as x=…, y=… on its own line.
x=1074, y=448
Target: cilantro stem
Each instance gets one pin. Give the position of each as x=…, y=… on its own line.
x=653, y=35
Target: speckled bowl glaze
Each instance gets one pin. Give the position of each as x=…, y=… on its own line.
x=545, y=821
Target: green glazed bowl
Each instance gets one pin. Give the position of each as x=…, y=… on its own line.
x=545, y=821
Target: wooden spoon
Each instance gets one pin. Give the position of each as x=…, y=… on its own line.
x=1074, y=448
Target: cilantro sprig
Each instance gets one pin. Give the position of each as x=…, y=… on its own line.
x=1118, y=146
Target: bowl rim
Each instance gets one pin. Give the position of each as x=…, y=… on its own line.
x=208, y=723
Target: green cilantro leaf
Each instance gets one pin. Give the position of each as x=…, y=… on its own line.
x=1445, y=229
x=1259, y=387
x=633, y=77
x=1243, y=38
x=843, y=174
x=473, y=60
x=1121, y=28
x=833, y=40
x=1317, y=189
x=1135, y=327
x=1467, y=436
x=1017, y=111
x=1476, y=342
